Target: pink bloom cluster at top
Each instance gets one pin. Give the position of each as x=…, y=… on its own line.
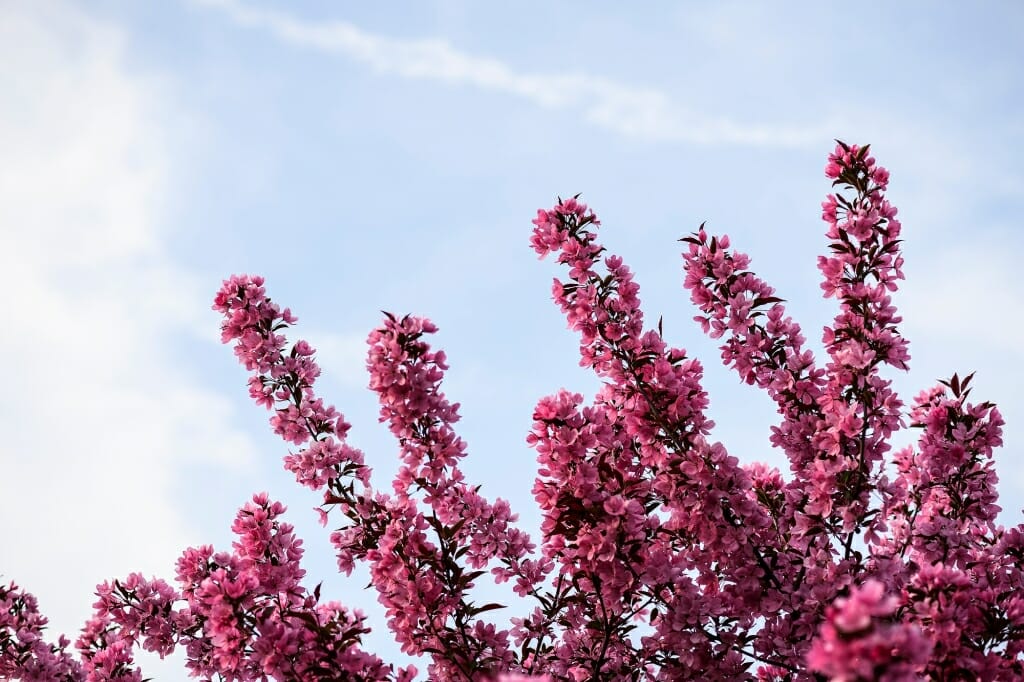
x=283, y=382
x=661, y=556
x=407, y=376
x=661, y=521
x=421, y=581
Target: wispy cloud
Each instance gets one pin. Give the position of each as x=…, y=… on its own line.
x=642, y=113
x=96, y=414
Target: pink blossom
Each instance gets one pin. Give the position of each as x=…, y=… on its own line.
x=661, y=555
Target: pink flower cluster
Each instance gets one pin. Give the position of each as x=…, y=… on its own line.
x=421, y=580
x=283, y=382
x=859, y=642
x=24, y=653
x=240, y=615
x=661, y=556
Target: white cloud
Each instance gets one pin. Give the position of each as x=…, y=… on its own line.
x=643, y=113
x=970, y=296
x=94, y=413
x=342, y=356
x=961, y=308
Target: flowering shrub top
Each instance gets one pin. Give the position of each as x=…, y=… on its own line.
x=661, y=556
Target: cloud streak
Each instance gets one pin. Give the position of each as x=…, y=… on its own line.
x=641, y=113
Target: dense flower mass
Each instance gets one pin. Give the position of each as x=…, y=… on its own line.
x=661, y=555
x=860, y=641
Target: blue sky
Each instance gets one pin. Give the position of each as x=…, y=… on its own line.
x=369, y=156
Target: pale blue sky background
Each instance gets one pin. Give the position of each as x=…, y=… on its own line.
x=368, y=156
